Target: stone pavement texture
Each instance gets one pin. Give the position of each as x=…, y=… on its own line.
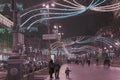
x=93, y=72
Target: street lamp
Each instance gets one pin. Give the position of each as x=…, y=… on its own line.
x=43, y=5
x=47, y=6
x=105, y=48
x=110, y=46
x=53, y=4
x=57, y=31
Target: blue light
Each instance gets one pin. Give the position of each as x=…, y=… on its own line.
x=58, y=9
x=40, y=14
x=59, y=15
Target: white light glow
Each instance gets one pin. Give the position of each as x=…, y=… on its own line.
x=47, y=6
x=53, y=5
x=43, y=5
x=5, y=21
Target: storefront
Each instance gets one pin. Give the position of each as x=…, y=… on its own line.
x=5, y=40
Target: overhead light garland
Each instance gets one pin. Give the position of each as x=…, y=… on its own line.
x=73, y=9
x=69, y=42
x=65, y=13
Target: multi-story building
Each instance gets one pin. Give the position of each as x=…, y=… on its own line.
x=5, y=37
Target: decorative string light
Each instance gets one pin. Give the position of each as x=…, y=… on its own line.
x=69, y=11
x=107, y=41
x=81, y=10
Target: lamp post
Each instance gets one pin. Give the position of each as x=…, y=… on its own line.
x=47, y=6
x=58, y=32
x=15, y=29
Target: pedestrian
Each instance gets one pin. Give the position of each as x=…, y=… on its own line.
x=97, y=61
x=107, y=62
x=51, y=68
x=57, y=69
x=88, y=62
x=67, y=72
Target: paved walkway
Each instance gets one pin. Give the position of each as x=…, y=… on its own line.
x=93, y=72
x=3, y=75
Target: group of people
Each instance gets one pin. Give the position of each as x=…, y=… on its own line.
x=54, y=67
x=88, y=61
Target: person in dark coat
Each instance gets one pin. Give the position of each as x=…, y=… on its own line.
x=107, y=62
x=88, y=62
x=67, y=72
x=97, y=61
x=51, y=68
x=57, y=69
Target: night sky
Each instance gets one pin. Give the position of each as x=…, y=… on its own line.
x=85, y=24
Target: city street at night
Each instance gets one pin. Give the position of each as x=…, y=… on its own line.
x=93, y=72
x=59, y=39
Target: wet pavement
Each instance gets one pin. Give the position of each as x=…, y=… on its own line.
x=93, y=72
x=3, y=75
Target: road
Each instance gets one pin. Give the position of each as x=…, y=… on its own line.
x=93, y=72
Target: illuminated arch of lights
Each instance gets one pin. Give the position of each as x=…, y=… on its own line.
x=87, y=48
x=74, y=10
x=68, y=11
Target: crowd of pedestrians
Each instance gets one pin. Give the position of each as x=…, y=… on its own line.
x=54, y=67
x=106, y=62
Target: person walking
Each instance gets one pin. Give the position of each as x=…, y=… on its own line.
x=51, y=68
x=107, y=62
x=88, y=62
x=97, y=61
x=57, y=69
x=67, y=72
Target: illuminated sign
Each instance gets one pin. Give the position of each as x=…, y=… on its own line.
x=5, y=21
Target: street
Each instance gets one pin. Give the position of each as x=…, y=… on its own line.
x=93, y=72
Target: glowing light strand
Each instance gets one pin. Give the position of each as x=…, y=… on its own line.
x=58, y=9
x=78, y=3
x=100, y=8
x=73, y=4
x=87, y=48
x=59, y=17
x=107, y=8
x=40, y=14
x=93, y=39
x=44, y=13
